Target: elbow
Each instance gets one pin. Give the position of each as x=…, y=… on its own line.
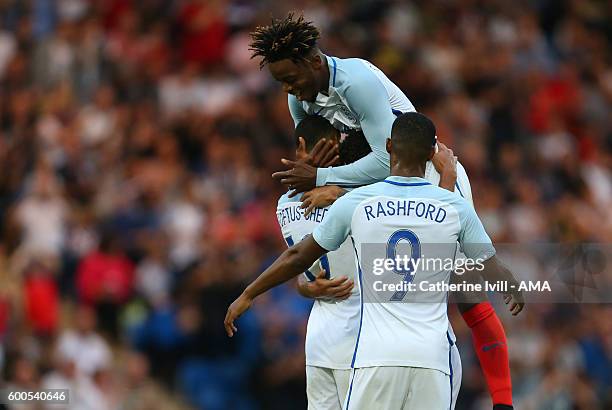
x=382, y=157
x=294, y=261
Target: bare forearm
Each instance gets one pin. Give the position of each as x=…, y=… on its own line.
x=291, y=263
x=287, y=266
x=448, y=179
x=494, y=270
x=367, y=170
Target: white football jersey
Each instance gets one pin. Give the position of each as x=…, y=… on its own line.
x=462, y=186
x=332, y=325
x=409, y=329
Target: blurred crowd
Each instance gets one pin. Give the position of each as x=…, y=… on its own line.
x=137, y=139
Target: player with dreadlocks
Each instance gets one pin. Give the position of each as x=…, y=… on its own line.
x=353, y=94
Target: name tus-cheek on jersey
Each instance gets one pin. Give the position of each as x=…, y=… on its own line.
x=295, y=213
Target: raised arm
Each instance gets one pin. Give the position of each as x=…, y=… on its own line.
x=368, y=99
x=445, y=163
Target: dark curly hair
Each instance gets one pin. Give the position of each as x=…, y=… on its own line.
x=354, y=147
x=314, y=128
x=287, y=38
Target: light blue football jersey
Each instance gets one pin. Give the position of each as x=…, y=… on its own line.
x=360, y=97
x=411, y=332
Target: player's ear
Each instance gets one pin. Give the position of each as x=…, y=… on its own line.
x=389, y=145
x=301, y=152
x=316, y=61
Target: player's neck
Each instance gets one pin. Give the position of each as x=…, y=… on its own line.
x=324, y=89
x=400, y=170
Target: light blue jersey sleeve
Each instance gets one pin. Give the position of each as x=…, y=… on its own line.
x=296, y=110
x=367, y=97
x=336, y=226
x=473, y=239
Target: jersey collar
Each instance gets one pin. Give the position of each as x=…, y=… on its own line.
x=406, y=181
x=332, y=65
x=322, y=99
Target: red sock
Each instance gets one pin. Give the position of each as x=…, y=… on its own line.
x=489, y=341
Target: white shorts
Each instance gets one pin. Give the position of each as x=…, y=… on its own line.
x=399, y=388
x=326, y=388
x=456, y=374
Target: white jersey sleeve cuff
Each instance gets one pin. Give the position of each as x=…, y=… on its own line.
x=322, y=175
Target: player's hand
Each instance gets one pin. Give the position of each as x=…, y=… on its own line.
x=515, y=301
x=445, y=162
x=300, y=178
x=444, y=159
x=323, y=154
x=336, y=289
x=237, y=308
x=320, y=197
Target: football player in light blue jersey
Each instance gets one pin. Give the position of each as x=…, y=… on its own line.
x=414, y=374
x=352, y=94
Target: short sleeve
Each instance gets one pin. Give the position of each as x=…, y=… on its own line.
x=473, y=239
x=336, y=225
x=295, y=109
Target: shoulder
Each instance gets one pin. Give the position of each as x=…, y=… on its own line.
x=461, y=205
x=352, y=71
x=284, y=199
x=350, y=66
x=445, y=196
x=357, y=195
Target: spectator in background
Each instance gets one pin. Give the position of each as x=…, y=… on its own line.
x=55, y=56
x=83, y=346
x=203, y=22
x=153, y=277
x=42, y=215
x=182, y=92
x=97, y=121
x=65, y=375
x=22, y=375
x=184, y=222
x=41, y=297
x=8, y=47
x=596, y=349
x=105, y=281
x=140, y=391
